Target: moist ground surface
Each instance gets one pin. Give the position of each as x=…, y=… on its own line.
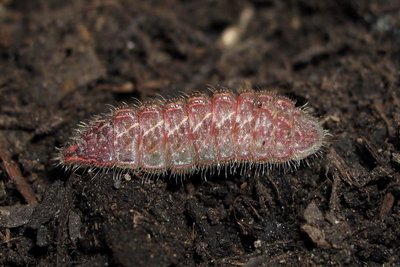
x=63, y=61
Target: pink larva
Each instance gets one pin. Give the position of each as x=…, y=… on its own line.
x=199, y=132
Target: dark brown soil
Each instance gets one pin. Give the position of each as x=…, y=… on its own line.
x=63, y=61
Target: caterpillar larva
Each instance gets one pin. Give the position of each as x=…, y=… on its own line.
x=193, y=133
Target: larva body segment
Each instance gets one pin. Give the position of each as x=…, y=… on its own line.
x=196, y=133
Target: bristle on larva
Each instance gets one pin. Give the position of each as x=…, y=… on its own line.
x=197, y=133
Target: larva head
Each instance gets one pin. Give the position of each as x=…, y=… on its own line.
x=285, y=132
x=308, y=135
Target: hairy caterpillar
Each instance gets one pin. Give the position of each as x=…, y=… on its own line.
x=196, y=133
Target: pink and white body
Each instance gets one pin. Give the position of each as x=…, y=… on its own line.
x=198, y=132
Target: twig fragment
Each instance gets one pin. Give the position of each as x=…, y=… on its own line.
x=14, y=173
